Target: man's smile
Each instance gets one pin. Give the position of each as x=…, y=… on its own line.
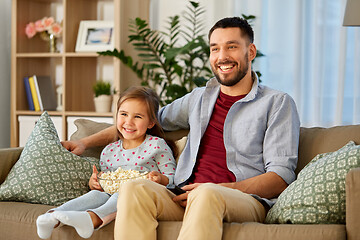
x=226, y=67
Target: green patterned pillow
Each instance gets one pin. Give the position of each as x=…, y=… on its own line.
x=46, y=172
x=318, y=194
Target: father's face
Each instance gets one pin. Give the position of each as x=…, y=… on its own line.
x=228, y=55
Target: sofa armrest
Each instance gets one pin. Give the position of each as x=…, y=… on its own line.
x=8, y=157
x=353, y=204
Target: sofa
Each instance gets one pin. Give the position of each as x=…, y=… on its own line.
x=17, y=219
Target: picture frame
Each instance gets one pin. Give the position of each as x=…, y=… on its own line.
x=95, y=36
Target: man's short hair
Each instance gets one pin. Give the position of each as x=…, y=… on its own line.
x=236, y=22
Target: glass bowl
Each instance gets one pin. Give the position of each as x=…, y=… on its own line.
x=111, y=180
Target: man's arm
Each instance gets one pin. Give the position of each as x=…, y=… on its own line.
x=267, y=185
x=101, y=138
x=175, y=115
x=281, y=140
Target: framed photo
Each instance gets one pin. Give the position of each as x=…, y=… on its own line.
x=95, y=36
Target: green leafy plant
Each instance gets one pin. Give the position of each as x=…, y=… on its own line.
x=102, y=88
x=173, y=62
x=168, y=68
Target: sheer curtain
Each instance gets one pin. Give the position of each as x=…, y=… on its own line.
x=310, y=55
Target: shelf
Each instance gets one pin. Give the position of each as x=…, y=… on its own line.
x=37, y=113
x=90, y=114
x=75, y=72
x=38, y=55
x=81, y=55
x=69, y=113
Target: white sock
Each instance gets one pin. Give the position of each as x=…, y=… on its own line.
x=45, y=225
x=81, y=221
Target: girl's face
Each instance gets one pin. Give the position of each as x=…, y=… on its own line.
x=132, y=122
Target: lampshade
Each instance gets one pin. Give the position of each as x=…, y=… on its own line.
x=352, y=13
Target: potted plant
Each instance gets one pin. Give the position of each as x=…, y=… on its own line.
x=102, y=96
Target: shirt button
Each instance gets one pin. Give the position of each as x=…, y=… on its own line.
x=182, y=180
x=194, y=160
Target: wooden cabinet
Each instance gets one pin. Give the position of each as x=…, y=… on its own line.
x=75, y=72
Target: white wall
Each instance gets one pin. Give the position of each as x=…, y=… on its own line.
x=5, y=73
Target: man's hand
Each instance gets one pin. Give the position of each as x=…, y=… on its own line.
x=76, y=147
x=93, y=181
x=98, y=139
x=182, y=198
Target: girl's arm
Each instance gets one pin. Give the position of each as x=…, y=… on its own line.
x=161, y=156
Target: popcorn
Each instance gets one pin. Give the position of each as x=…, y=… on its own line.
x=111, y=181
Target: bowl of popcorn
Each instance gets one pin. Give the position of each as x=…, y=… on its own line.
x=111, y=180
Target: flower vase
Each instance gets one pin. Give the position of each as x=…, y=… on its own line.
x=52, y=43
x=51, y=39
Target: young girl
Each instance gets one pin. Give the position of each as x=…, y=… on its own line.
x=141, y=144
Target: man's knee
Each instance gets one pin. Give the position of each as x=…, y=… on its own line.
x=132, y=187
x=205, y=192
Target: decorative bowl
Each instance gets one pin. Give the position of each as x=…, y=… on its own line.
x=111, y=180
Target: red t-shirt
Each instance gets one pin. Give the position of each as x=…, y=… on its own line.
x=211, y=159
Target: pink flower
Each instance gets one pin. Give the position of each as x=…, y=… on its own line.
x=30, y=30
x=46, y=25
x=48, y=22
x=55, y=29
x=39, y=26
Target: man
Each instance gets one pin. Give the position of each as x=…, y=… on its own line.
x=240, y=153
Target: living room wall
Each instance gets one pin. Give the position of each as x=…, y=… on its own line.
x=5, y=74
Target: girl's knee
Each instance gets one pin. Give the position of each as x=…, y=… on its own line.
x=95, y=193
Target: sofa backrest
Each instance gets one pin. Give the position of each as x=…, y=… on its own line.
x=312, y=140
x=322, y=140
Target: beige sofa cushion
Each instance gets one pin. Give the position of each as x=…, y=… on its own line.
x=256, y=231
x=322, y=140
x=18, y=222
x=86, y=128
x=11, y=155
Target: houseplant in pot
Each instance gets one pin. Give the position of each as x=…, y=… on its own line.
x=102, y=96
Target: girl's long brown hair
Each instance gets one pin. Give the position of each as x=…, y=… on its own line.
x=152, y=101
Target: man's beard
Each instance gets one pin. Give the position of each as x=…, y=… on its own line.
x=239, y=75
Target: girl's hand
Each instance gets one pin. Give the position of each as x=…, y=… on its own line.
x=182, y=198
x=157, y=177
x=93, y=181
